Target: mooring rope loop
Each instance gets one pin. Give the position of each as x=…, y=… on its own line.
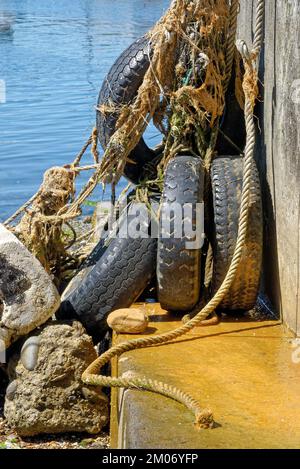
x=203, y=417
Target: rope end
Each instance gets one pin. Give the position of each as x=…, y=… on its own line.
x=204, y=419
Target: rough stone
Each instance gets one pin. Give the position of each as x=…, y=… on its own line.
x=128, y=321
x=29, y=352
x=28, y=298
x=47, y=394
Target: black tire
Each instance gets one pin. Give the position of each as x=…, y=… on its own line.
x=179, y=268
x=85, y=268
x=226, y=179
x=120, y=87
x=94, y=256
x=116, y=280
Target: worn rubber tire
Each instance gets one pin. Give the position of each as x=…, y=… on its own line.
x=179, y=268
x=226, y=180
x=120, y=87
x=116, y=280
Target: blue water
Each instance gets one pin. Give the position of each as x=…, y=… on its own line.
x=54, y=55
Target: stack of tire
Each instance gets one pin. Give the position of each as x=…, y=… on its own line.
x=118, y=272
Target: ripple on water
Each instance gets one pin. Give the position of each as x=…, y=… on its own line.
x=54, y=56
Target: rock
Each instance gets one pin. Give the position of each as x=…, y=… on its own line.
x=11, y=389
x=29, y=352
x=47, y=394
x=28, y=298
x=128, y=321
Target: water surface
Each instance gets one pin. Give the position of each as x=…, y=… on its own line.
x=53, y=58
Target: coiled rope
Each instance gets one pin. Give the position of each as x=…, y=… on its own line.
x=203, y=417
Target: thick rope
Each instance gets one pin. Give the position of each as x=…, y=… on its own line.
x=230, y=51
x=203, y=417
x=22, y=208
x=259, y=27
x=82, y=151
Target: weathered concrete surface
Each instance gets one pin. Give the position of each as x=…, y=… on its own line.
x=246, y=371
x=46, y=394
x=278, y=150
x=28, y=298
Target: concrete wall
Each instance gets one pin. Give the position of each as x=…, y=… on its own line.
x=278, y=150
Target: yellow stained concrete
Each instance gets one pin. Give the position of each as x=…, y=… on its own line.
x=241, y=369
